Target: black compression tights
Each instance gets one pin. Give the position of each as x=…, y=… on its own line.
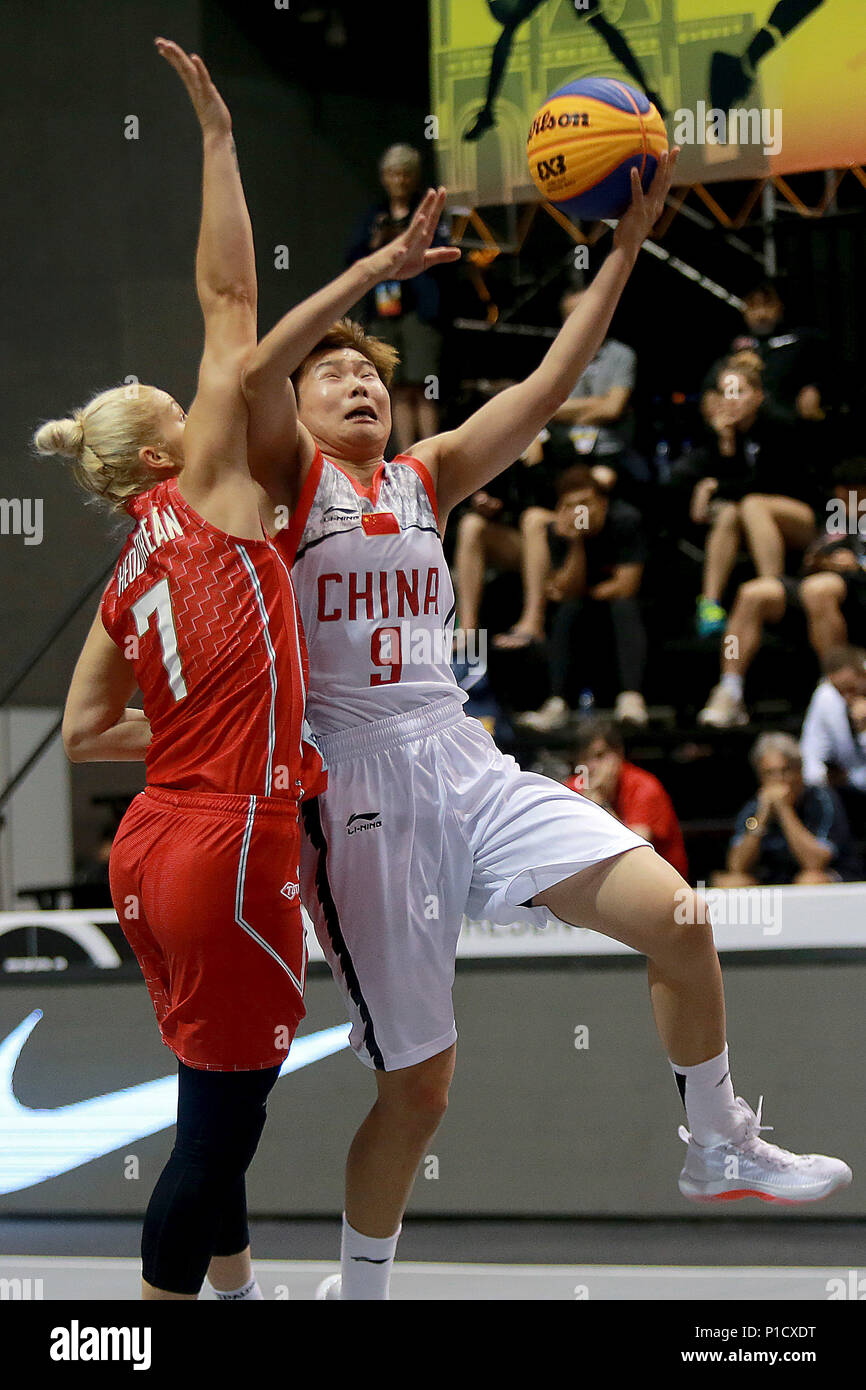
x=198, y=1208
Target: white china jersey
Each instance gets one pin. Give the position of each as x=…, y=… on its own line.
x=374, y=591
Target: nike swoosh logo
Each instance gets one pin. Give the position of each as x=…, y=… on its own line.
x=367, y=1260
x=39, y=1144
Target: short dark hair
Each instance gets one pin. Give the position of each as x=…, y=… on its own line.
x=346, y=333
x=576, y=479
x=598, y=727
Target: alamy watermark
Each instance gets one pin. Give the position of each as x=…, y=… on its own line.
x=402, y=644
x=846, y=518
x=22, y=516
x=77, y=1343
x=730, y=907
x=709, y=125
x=21, y=1289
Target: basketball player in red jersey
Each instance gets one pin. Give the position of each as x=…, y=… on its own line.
x=424, y=819
x=200, y=614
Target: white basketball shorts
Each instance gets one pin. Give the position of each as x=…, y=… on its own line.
x=424, y=821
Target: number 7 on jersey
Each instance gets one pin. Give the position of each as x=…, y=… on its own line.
x=157, y=599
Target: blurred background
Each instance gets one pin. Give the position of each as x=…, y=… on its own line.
x=756, y=279
x=98, y=288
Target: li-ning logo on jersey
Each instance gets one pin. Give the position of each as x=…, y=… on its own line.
x=363, y=820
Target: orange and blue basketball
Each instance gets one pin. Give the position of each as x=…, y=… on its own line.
x=585, y=141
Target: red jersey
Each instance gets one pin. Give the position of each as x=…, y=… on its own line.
x=642, y=800
x=211, y=625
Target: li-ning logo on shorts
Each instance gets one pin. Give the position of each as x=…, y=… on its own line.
x=363, y=820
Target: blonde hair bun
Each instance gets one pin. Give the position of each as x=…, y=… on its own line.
x=104, y=440
x=64, y=437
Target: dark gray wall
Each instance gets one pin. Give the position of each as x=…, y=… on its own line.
x=98, y=255
x=534, y=1127
x=100, y=237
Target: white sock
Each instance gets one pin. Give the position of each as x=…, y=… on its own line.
x=250, y=1290
x=365, y=1264
x=708, y=1096
x=733, y=683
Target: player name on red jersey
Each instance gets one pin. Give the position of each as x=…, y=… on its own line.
x=160, y=525
x=377, y=594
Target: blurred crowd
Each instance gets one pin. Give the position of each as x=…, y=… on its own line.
x=767, y=515
x=620, y=556
x=765, y=511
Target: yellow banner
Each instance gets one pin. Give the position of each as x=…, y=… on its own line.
x=746, y=89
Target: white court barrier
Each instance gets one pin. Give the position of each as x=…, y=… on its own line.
x=832, y=917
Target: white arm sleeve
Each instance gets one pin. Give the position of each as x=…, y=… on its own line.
x=816, y=739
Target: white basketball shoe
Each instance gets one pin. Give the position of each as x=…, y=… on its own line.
x=748, y=1166
x=723, y=710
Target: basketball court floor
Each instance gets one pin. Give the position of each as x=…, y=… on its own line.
x=753, y=1259
x=73, y=1233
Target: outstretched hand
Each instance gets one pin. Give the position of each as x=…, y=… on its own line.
x=212, y=112
x=409, y=254
x=646, y=208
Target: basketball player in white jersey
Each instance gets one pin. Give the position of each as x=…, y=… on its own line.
x=424, y=819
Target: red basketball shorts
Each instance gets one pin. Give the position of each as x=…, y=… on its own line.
x=206, y=890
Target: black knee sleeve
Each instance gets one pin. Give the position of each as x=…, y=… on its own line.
x=199, y=1202
x=233, y=1232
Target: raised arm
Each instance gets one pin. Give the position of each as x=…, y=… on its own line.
x=274, y=429
x=225, y=276
x=97, y=724
x=463, y=460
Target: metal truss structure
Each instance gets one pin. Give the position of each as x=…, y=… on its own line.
x=763, y=201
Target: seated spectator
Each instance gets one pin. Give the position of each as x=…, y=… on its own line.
x=487, y=538
x=534, y=522
x=833, y=740
x=753, y=487
x=407, y=314
x=788, y=833
x=793, y=359
x=504, y=528
x=598, y=551
x=491, y=534
x=831, y=591
x=633, y=795
x=596, y=424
